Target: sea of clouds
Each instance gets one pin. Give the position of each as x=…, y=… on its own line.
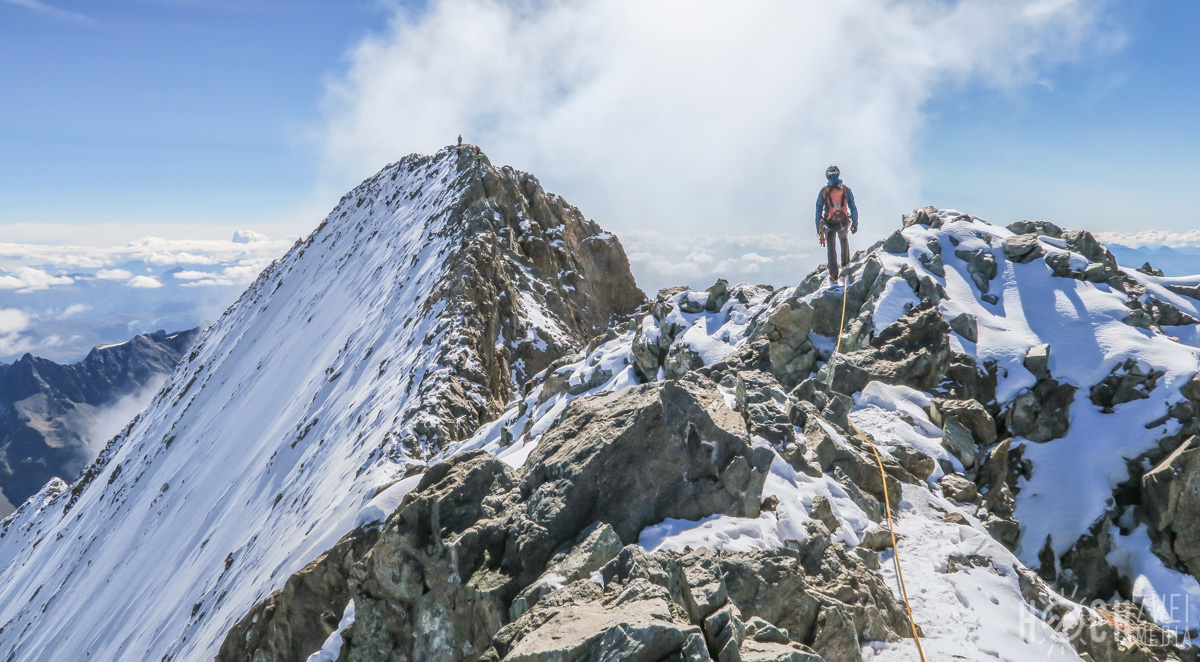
x=59, y=301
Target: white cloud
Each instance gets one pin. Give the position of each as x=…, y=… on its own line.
x=191, y=275
x=75, y=309
x=1152, y=238
x=248, y=237
x=29, y=279
x=702, y=117
x=13, y=320
x=113, y=274
x=144, y=282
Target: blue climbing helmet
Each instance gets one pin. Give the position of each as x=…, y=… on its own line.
x=832, y=172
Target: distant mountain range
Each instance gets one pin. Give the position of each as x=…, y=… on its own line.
x=55, y=419
x=1181, y=261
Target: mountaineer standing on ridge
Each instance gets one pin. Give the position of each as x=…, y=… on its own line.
x=835, y=211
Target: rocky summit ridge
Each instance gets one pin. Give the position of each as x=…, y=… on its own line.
x=417, y=309
x=689, y=487
x=448, y=426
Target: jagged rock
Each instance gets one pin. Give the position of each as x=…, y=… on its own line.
x=1191, y=389
x=835, y=636
x=680, y=359
x=495, y=531
x=680, y=428
x=764, y=407
x=596, y=546
x=1041, y=413
x=914, y=352
x=1035, y=228
x=724, y=631
x=966, y=326
x=913, y=461
x=1037, y=360
x=959, y=488
x=789, y=588
x=1149, y=270
x=1095, y=272
x=790, y=351
x=1187, y=291
x=1166, y=314
x=933, y=263
x=584, y=622
x=957, y=439
x=404, y=598
x=896, y=243
x=970, y=413
x=981, y=266
x=1171, y=503
x=295, y=620
x=927, y=216
x=1085, y=567
x=718, y=295
x=1023, y=248
x=1082, y=242
x=823, y=512
x=965, y=381
x=1126, y=383
x=1060, y=264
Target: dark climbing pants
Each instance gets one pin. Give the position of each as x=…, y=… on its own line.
x=840, y=235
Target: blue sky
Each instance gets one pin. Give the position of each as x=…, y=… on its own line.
x=172, y=117
x=165, y=111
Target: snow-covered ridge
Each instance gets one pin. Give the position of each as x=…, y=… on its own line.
x=378, y=339
x=1009, y=298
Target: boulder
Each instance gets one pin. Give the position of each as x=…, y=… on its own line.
x=1023, y=248
x=718, y=295
x=957, y=439
x=1127, y=382
x=1149, y=270
x=966, y=326
x=1037, y=360
x=968, y=412
x=680, y=429
x=1035, y=228
x=896, y=243
x=914, y=352
x=959, y=488
x=981, y=266
x=927, y=216
x=1171, y=505
x=1041, y=413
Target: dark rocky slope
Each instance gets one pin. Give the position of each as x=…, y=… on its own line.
x=47, y=409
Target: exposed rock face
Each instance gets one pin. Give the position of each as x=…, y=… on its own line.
x=913, y=352
x=474, y=533
x=521, y=248
x=1171, y=501
x=47, y=409
x=295, y=620
x=1043, y=412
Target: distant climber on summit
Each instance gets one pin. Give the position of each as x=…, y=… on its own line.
x=835, y=211
x=460, y=140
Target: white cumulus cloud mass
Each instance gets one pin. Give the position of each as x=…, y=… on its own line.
x=701, y=118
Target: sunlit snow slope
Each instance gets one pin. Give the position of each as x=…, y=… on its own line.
x=339, y=367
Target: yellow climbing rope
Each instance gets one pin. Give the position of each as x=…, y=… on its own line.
x=886, y=499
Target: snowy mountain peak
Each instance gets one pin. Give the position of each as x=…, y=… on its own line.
x=409, y=317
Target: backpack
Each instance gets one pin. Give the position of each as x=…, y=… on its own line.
x=836, y=207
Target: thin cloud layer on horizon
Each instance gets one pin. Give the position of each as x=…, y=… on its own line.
x=719, y=119
x=58, y=302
